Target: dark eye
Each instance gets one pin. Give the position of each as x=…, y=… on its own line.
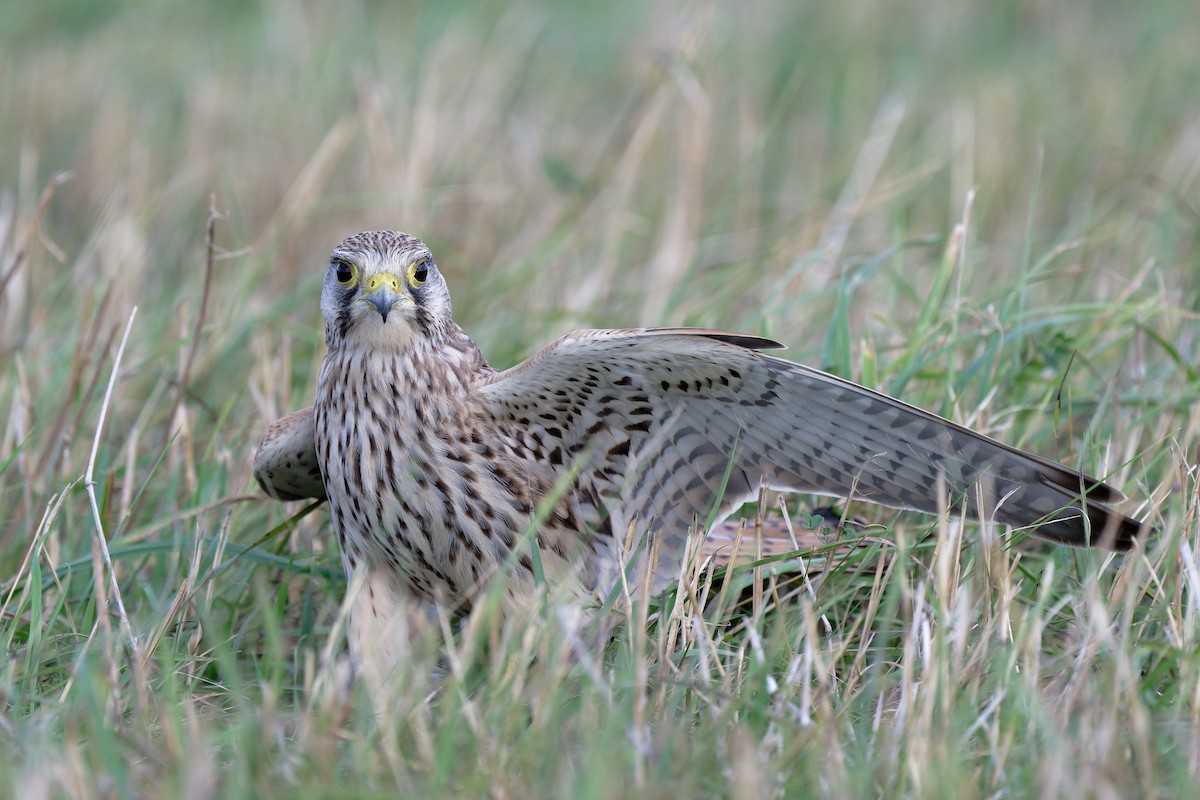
x=419, y=273
x=344, y=272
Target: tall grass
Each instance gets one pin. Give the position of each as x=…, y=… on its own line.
x=990, y=210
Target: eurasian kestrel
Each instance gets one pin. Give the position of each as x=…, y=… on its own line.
x=442, y=472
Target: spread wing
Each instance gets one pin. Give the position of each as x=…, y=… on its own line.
x=660, y=419
x=667, y=425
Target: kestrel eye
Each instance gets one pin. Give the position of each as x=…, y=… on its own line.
x=419, y=273
x=344, y=272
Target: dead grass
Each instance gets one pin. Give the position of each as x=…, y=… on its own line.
x=991, y=212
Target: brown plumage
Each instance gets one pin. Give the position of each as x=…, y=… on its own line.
x=438, y=467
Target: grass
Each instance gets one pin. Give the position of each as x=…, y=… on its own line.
x=989, y=211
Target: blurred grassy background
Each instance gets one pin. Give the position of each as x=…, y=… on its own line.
x=791, y=169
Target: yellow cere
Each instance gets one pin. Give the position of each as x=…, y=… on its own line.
x=380, y=279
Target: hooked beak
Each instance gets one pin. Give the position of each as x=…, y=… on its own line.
x=382, y=290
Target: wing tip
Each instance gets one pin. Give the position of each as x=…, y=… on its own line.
x=746, y=340
x=1118, y=532
x=1105, y=529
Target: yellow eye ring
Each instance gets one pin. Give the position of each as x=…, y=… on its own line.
x=418, y=273
x=345, y=273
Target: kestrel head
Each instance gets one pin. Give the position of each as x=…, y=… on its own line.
x=382, y=290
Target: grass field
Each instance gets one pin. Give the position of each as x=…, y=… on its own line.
x=991, y=210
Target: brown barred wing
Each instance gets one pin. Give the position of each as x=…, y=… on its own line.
x=671, y=427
